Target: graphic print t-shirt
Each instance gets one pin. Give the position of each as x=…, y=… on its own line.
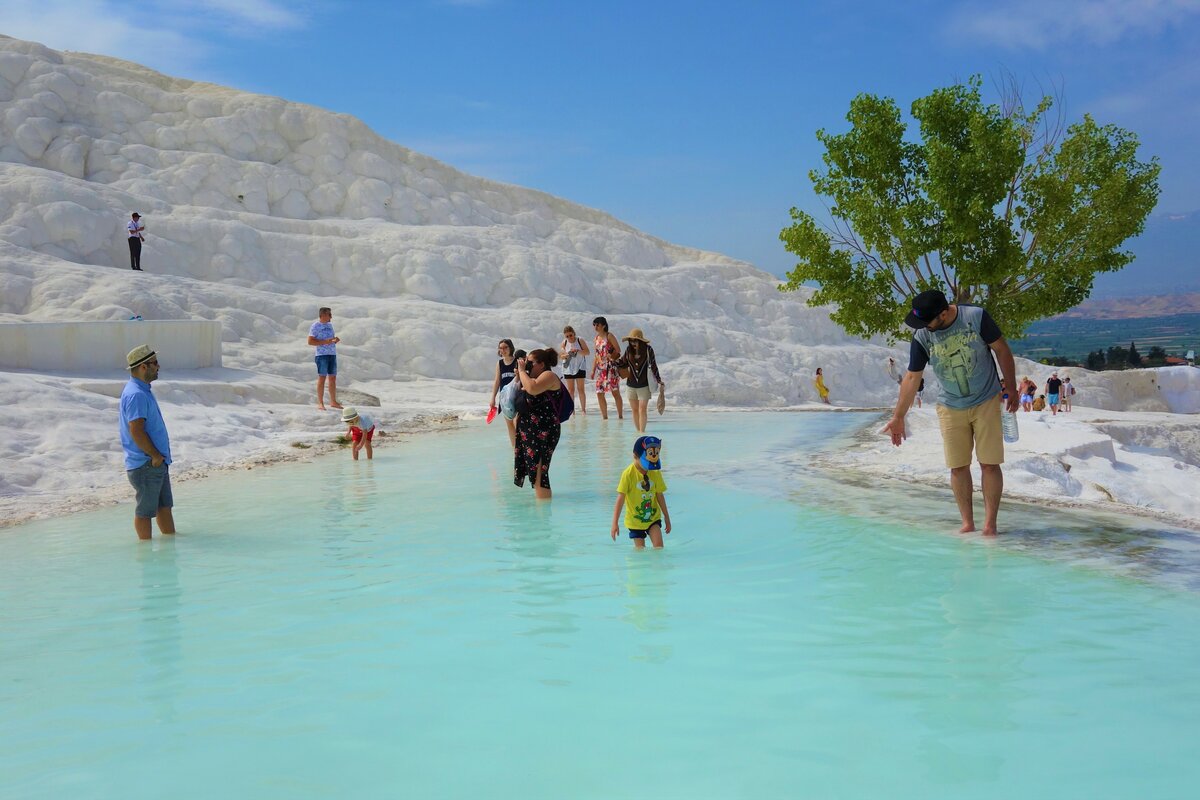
x=641, y=507
x=323, y=330
x=960, y=358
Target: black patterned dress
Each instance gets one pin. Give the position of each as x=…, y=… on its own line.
x=537, y=436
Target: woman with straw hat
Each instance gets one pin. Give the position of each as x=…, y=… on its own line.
x=638, y=359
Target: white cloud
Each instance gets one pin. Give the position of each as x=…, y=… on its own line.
x=1038, y=24
x=168, y=36
x=265, y=13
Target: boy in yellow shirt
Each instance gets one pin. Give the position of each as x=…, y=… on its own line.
x=640, y=491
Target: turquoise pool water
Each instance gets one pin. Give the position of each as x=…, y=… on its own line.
x=418, y=627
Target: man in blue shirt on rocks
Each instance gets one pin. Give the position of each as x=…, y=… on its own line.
x=958, y=341
x=146, y=444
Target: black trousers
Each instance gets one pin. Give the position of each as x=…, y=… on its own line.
x=135, y=252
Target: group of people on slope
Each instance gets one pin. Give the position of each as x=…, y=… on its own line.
x=1058, y=394
x=534, y=433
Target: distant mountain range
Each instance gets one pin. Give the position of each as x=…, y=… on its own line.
x=1168, y=259
x=1135, y=307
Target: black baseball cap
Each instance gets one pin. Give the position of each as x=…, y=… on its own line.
x=925, y=307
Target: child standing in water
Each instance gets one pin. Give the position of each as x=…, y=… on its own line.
x=640, y=491
x=362, y=430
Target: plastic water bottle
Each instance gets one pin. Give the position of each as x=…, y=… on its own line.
x=1008, y=423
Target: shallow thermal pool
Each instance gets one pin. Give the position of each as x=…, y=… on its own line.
x=418, y=627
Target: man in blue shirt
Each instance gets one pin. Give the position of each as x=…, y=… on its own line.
x=146, y=444
x=320, y=336
x=958, y=341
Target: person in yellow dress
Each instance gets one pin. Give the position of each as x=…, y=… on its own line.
x=822, y=389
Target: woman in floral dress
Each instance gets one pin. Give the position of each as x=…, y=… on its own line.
x=538, y=428
x=604, y=368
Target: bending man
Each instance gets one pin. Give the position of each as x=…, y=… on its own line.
x=958, y=341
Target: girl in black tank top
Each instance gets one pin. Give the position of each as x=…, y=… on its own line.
x=507, y=372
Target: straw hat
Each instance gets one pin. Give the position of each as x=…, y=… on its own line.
x=636, y=333
x=349, y=414
x=139, y=355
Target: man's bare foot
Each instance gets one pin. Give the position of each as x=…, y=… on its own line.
x=967, y=527
x=990, y=530
x=335, y=405
x=321, y=407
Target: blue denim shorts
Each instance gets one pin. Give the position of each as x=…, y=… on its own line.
x=641, y=534
x=153, y=486
x=327, y=365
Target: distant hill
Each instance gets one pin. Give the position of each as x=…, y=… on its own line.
x=1140, y=307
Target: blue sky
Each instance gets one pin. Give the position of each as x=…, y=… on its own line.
x=693, y=121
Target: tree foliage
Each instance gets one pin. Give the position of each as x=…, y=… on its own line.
x=996, y=205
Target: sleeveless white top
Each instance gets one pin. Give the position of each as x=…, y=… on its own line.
x=575, y=360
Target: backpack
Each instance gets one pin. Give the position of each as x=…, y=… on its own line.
x=564, y=406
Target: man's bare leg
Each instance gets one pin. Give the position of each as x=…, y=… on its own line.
x=321, y=392
x=333, y=403
x=993, y=488
x=165, y=519
x=960, y=482
x=141, y=526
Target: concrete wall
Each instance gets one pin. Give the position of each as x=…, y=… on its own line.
x=101, y=346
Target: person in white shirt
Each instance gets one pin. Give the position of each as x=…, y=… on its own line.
x=137, y=235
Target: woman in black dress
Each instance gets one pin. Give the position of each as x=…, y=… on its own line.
x=538, y=428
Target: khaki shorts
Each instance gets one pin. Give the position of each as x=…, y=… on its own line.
x=638, y=392
x=966, y=428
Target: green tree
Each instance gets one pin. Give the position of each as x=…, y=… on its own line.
x=1135, y=359
x=1156, y=356
x=995, y=205
x=1095, y=361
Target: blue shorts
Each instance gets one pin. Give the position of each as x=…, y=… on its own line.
x=327, y=365
x=636, y=534
x=1052, y=399
x=153, y=485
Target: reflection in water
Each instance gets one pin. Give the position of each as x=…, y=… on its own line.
x=979, y=667
x=361, y=494
x=648, y=581
x=545, y=579
x=158, y=624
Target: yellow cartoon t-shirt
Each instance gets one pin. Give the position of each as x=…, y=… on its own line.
x=641, y=508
